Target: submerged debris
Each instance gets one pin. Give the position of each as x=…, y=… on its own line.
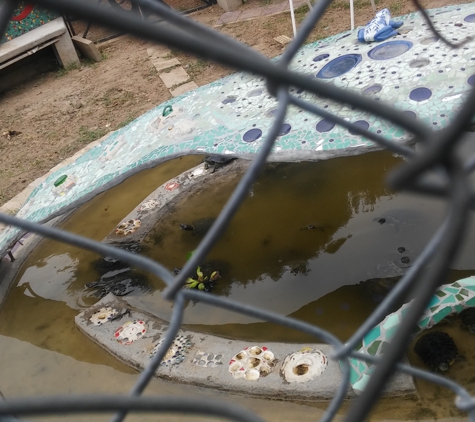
x=437, y=350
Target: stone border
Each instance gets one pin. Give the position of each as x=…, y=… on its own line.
x=208, y=361
x=448, y=299
x=166, y=196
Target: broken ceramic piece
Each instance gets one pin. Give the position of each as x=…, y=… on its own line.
x=131, y=331
x=176, y=353
x=103, y=315
x=149, y=205
x=304, y=365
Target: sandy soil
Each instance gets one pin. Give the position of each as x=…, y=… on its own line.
x=59, y=112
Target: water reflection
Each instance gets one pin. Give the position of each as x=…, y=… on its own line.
x=305, y=231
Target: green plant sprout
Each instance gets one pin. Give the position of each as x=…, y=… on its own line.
x=203, y=282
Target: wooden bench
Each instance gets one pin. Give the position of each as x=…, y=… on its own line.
x=53, y=34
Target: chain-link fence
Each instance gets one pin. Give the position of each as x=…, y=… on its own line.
x=435, y=169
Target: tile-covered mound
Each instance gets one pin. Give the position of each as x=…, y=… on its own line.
x=448, y=299
x=413, y=71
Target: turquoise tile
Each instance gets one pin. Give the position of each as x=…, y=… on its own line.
x=391, y=320
x=372, y=335
x=450, y=299
x=423, y=323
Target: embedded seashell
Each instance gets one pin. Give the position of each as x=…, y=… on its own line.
x=303, y=366
x=268, y=355
x=234, y=367
x=264, y=370
x=252, y=362
x=240, y=356
x=252, y=375
x=255, y=350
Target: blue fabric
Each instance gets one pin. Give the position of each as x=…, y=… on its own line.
x=380, y=28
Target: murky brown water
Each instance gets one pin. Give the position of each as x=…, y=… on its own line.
x=266, y=258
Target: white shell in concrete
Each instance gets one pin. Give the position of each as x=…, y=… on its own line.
x=252, y=363
x=304, y=366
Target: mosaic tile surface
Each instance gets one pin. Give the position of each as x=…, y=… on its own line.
x=413, y=71
x=207, y=360
x=448, y=299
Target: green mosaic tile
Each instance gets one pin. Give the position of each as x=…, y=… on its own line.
x=452, y=290
x=384, y=346
x=459, y=297
x=464, y=292
x=440, y=293
x=373, y=349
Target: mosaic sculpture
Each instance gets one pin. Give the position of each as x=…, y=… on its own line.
x=448, y=299
x=414, y=71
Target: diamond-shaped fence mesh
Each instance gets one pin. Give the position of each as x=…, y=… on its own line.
x=436, y=169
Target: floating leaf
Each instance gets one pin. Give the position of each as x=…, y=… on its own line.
x=201, y=286
x=214, y=275
x=199, y=273
x=190, y=254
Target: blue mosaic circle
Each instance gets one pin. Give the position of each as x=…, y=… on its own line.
x=363, y=124
x=410, y=114
x=320, y=57
x=325, y=125
x=285, y=129
x=255, y=93
x=372, y=90
x=420, y=94
x=228, y=100
x=429, y=40
x=471, y=80
x=389, y=50
x=470, y=18
x=339, y=66
x=252, y=135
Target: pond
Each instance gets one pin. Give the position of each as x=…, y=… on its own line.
x=268, y=257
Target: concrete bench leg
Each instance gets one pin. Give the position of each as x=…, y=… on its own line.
x=65, y=51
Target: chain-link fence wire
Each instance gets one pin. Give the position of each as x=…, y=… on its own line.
x=436, y=168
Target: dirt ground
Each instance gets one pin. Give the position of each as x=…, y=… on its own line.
x=58, y=112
